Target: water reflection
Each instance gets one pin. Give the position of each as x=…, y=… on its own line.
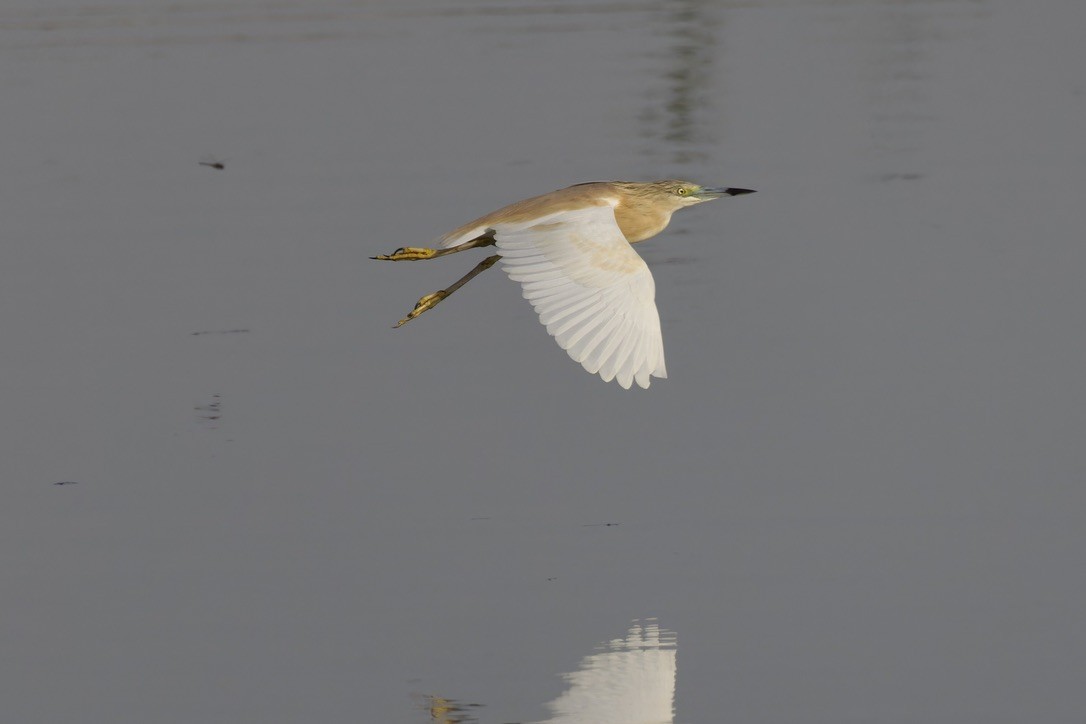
x=900, y=44
x=210, y=412
x=628, y=680
x=671, y=117
x=448, y=711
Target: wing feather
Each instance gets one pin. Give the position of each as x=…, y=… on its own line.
x=592, y=291
x=565, y=307
x=590, y=347
x=565, y=329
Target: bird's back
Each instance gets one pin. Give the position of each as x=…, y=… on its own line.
x=571, y=198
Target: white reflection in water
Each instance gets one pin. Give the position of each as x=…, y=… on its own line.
x=630, y=680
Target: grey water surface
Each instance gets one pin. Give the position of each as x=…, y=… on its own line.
x=859, y=497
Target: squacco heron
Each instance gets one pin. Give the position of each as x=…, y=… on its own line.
x=571, y=252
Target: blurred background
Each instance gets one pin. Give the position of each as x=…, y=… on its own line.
x=858, y=497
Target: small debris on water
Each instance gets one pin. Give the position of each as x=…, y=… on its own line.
x=211, y=412
x=220, y=331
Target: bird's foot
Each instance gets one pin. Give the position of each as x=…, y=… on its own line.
x=426, y=303
x=407, y=253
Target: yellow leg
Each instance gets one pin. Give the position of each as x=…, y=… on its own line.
x=407, y=253
x=432, y=300
x=426, y=303
x=416, y=253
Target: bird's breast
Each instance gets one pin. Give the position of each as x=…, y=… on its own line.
x=638, y=223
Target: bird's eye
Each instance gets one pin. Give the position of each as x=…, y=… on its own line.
x=681, y=191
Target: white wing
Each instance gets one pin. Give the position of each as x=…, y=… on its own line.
x=591, y=290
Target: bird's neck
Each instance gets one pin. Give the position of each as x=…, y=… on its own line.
x=639, y=221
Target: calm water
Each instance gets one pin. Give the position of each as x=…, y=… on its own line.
x=858, y=498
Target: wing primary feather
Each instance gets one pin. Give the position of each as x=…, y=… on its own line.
x=554, y=312
x=636, y=359
x=573, y=339
x=622, y=356
x=591, y=345
x=568, y=322
x=609, y=365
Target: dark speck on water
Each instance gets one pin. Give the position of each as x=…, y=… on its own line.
x=212, y=411
x=901, y=177
x=67, y=482
x=213, y=164
x=220, y=331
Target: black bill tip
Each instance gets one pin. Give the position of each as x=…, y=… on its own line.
x=715, y=192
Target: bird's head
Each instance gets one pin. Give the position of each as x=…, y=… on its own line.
x=679, y=194
x=643, y=210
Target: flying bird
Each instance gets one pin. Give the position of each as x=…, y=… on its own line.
x=571, y=252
